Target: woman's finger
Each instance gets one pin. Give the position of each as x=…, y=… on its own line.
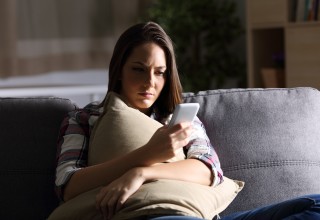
x=111, y=205
x=182, y=133
x=100, y=196
x=104, y=206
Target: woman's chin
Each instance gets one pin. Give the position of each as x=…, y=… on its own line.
x=145, y=106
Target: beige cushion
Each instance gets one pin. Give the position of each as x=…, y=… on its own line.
x=180, y=198
x=122, y=129
x=81, y=207
x=159, y=197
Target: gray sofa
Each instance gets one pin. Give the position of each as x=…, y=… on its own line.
x=269, y=138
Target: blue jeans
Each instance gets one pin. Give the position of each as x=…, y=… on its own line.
x=304, y=208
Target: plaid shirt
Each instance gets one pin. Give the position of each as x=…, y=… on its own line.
x=74, y=137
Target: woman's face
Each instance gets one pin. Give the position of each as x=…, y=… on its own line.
x=143, y=76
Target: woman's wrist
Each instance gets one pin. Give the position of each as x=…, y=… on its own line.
x=145, y=156
x=144, y=173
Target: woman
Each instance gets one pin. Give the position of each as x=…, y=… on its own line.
x=143, y=72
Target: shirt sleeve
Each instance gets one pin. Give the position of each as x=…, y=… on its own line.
x=72, y=149
x=201, y=148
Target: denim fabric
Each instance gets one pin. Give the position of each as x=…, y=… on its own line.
x=173, y=217
x=302, y=208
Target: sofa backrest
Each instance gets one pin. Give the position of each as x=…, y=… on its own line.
x=28, y=133
x=269, y=138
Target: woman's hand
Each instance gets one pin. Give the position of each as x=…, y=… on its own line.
x=161, y=147
x=167, y=140
x=111, y=197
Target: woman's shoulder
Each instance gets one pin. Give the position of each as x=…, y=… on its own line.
x=85, y=114
x=93, y=107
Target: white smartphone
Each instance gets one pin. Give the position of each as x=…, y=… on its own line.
x=185, y=112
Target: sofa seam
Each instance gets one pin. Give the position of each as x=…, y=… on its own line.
x=267, y=164
x=17, y=171
x=43, y=98
x=219, y=92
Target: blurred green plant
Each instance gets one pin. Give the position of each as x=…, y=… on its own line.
x=202, y=31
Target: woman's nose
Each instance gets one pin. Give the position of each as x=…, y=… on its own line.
x=150, y=78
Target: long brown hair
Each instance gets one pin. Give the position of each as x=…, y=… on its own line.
x=134, y=36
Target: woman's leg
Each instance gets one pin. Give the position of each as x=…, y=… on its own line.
x=305, y=207
x=174, y=217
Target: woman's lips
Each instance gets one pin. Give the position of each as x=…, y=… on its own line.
x=146, y=94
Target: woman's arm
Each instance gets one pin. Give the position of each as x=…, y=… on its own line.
x=202, y=167
x=111, y=197
x=161, y=147
x=201, y=148
x=189, y=170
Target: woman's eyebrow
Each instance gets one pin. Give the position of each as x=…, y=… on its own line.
x=143, y=64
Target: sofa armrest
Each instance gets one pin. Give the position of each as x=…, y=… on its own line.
x=29, y=130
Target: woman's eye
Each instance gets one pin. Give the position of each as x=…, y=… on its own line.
x=161, y=73
x=138, y=69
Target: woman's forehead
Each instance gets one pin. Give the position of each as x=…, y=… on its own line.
x=148, y=54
